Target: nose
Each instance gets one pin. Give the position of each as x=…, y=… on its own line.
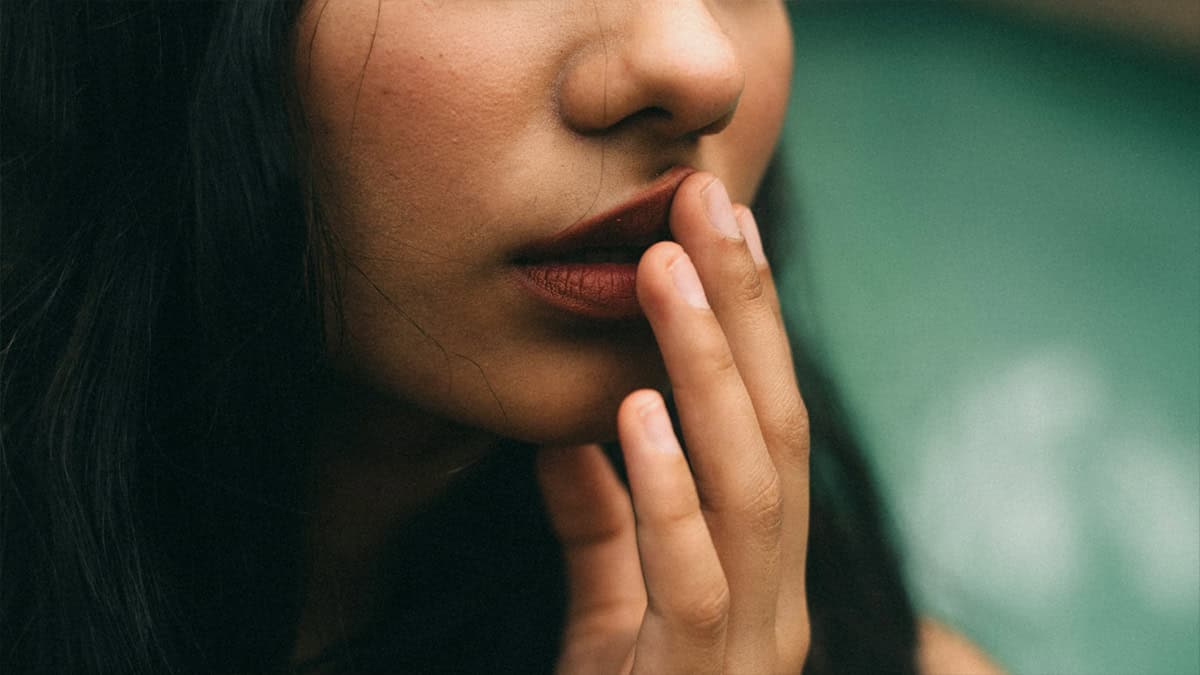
x=668, y=63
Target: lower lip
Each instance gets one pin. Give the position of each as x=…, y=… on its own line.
x=592, y=290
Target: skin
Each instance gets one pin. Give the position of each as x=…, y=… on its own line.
x=446, y=135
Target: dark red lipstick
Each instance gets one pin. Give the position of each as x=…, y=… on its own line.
x=590, y=268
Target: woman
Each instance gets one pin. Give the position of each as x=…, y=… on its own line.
x=301, y=296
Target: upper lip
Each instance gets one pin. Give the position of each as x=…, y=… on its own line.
x=637, y=223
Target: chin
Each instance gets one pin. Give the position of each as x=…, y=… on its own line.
x=542, y=391
x=571, y=406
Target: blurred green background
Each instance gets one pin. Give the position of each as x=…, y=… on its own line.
x=1000, y=262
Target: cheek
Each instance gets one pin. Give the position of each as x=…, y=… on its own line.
x=415, y=111
x=400, y=111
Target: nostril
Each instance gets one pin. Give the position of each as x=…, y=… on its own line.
x=656, y=111
x=649, y=115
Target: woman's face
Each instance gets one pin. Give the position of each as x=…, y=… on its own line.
x=450, y=135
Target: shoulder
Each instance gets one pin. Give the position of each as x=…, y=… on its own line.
x=943, y=651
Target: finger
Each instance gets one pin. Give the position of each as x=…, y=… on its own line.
x=788, y=439
x=749, y=228
x=737, y=481
x=743, y=297
x=725, y=245
x=688, y=598
x=592, y=517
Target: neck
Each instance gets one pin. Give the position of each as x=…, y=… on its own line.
x=376, y=463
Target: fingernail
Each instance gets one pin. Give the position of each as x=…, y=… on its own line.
x=684, y=274
x=657, y=425
x=720, y=210
x=753, y=239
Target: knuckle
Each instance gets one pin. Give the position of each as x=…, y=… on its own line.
x=723, y=363
x=750, y=287
x=707, y=615
x=681, y=514
x=708, y=355
x=765, y=509
x=720, y=359
x=789, y=432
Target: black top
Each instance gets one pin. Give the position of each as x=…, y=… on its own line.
x=480, y=583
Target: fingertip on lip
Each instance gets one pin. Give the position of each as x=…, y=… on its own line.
x=698, y=181
x=639, y=221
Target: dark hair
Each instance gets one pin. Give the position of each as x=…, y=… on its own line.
x=162, y=329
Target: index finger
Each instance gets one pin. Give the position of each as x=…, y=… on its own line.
x=738, y=281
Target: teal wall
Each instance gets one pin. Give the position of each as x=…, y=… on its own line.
x=1001, y=264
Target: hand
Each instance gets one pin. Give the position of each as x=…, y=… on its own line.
x=695, y=569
